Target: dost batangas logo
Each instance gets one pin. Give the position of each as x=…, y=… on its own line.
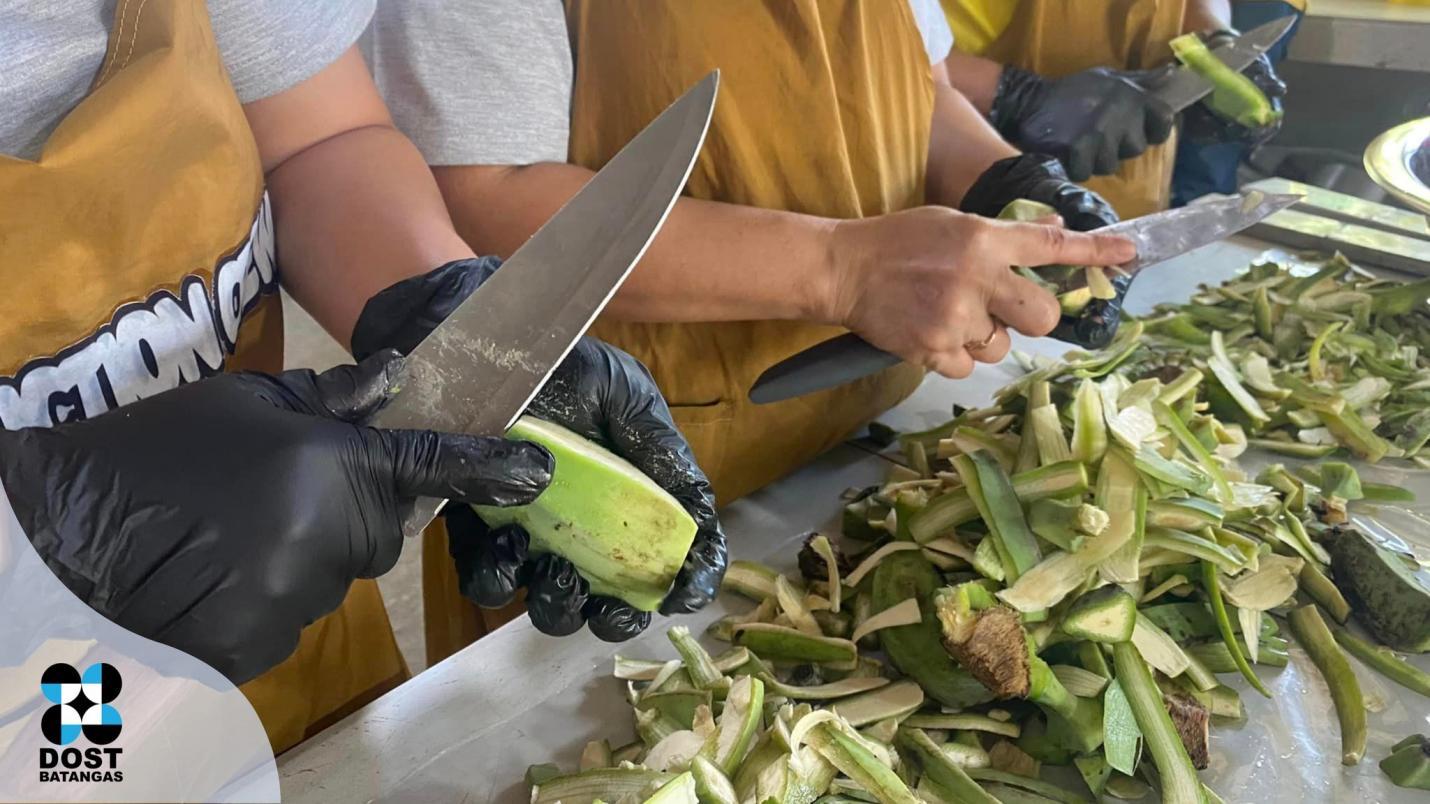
x=81, y=705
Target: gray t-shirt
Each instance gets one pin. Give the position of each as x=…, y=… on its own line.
x=489, y=82
x=475, y=83
x=50, y=51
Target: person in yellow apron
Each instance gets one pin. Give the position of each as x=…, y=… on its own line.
x=804, y=213
x=1068, y=78
x=229, y=514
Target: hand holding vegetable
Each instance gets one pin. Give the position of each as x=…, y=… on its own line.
x=1037, y=178
x=931, y=284
x=1245, y=109
x=1090, y=121
x=224, y=516
x=600, y=393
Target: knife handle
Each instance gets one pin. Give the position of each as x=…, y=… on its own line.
x=834, y=362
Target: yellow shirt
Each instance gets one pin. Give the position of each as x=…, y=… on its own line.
x=976, y=23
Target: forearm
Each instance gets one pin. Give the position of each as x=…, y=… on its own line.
x=710, y=262
x=962, y=145
x=355, y=214
x=1206, y=15
x=976, y=78
x=354, y=204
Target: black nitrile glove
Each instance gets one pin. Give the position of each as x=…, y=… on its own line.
x=1202, y=125
x=1040, y=178
x=599, y=392
x=1037, y=178
x=224, y=516
x=1089, y=121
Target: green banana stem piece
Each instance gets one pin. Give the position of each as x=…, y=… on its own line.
x=1235, y=96
x=1384, y=661
x=1213, y=586
x=1315, y=637
x=1409, y=763
x=989, y=641
x=1180, y=784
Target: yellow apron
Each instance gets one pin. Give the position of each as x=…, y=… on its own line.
x=824, y=108
x=1058, y=37
x=138, y=254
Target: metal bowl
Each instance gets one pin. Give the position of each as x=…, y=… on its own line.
x=1399, y=161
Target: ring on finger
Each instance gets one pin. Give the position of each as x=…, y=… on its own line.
x=974, y=346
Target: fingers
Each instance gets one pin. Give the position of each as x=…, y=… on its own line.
x=1082, y=155
x=555, y=596
x=613, y=620
x=349, y=393
x=1029, y=244
x=1133, y=143
x=1106, y=162
x=996, y=349
x=955, y=364
x=699, y=579
x=1024, y=306
x=488, y=563
x=480, y=470
x=353, y=393
x=1158, y=121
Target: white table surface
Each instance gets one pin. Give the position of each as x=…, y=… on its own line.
x=466, y=729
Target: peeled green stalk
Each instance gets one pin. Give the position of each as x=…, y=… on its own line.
x=1235, y=96
x=787, y=644
x=1089, y=439
x=739, y=721
x=1213, y=589
x=1384, y=661
x=610, y=784
x=712, y=786
x=625, y=534
x=1180, y=784
x=942, y=770
x=1313, y=635
x=849, y=755
x=993, y=494
x=954, y=508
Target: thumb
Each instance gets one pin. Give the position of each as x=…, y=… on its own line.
x=353, y=393
x=1033, y=245
x=479, y=470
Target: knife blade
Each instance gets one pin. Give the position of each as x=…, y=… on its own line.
x=479, y=369
x=1185, y=87
x=1159, y=237
x=1163, y=235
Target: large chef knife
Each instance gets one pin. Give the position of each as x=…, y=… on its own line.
x=1159, y=237
x=1185, y=87
x=478, y=370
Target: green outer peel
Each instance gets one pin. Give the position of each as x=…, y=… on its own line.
x=1235, y=96
x=625, y=534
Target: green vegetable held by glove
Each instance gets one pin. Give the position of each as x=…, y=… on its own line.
x=1235, y=96
x=626, y=535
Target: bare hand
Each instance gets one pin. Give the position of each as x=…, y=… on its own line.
x=934, y=286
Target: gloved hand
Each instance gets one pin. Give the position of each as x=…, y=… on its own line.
x=224, y=516
x=1040, y=178
x=1202, y=125
x=1037, y=178
x=1089, y=121
x=599, y=392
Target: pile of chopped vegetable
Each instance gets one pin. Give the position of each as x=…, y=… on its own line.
x=1309, y=364
x=1057, y=580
